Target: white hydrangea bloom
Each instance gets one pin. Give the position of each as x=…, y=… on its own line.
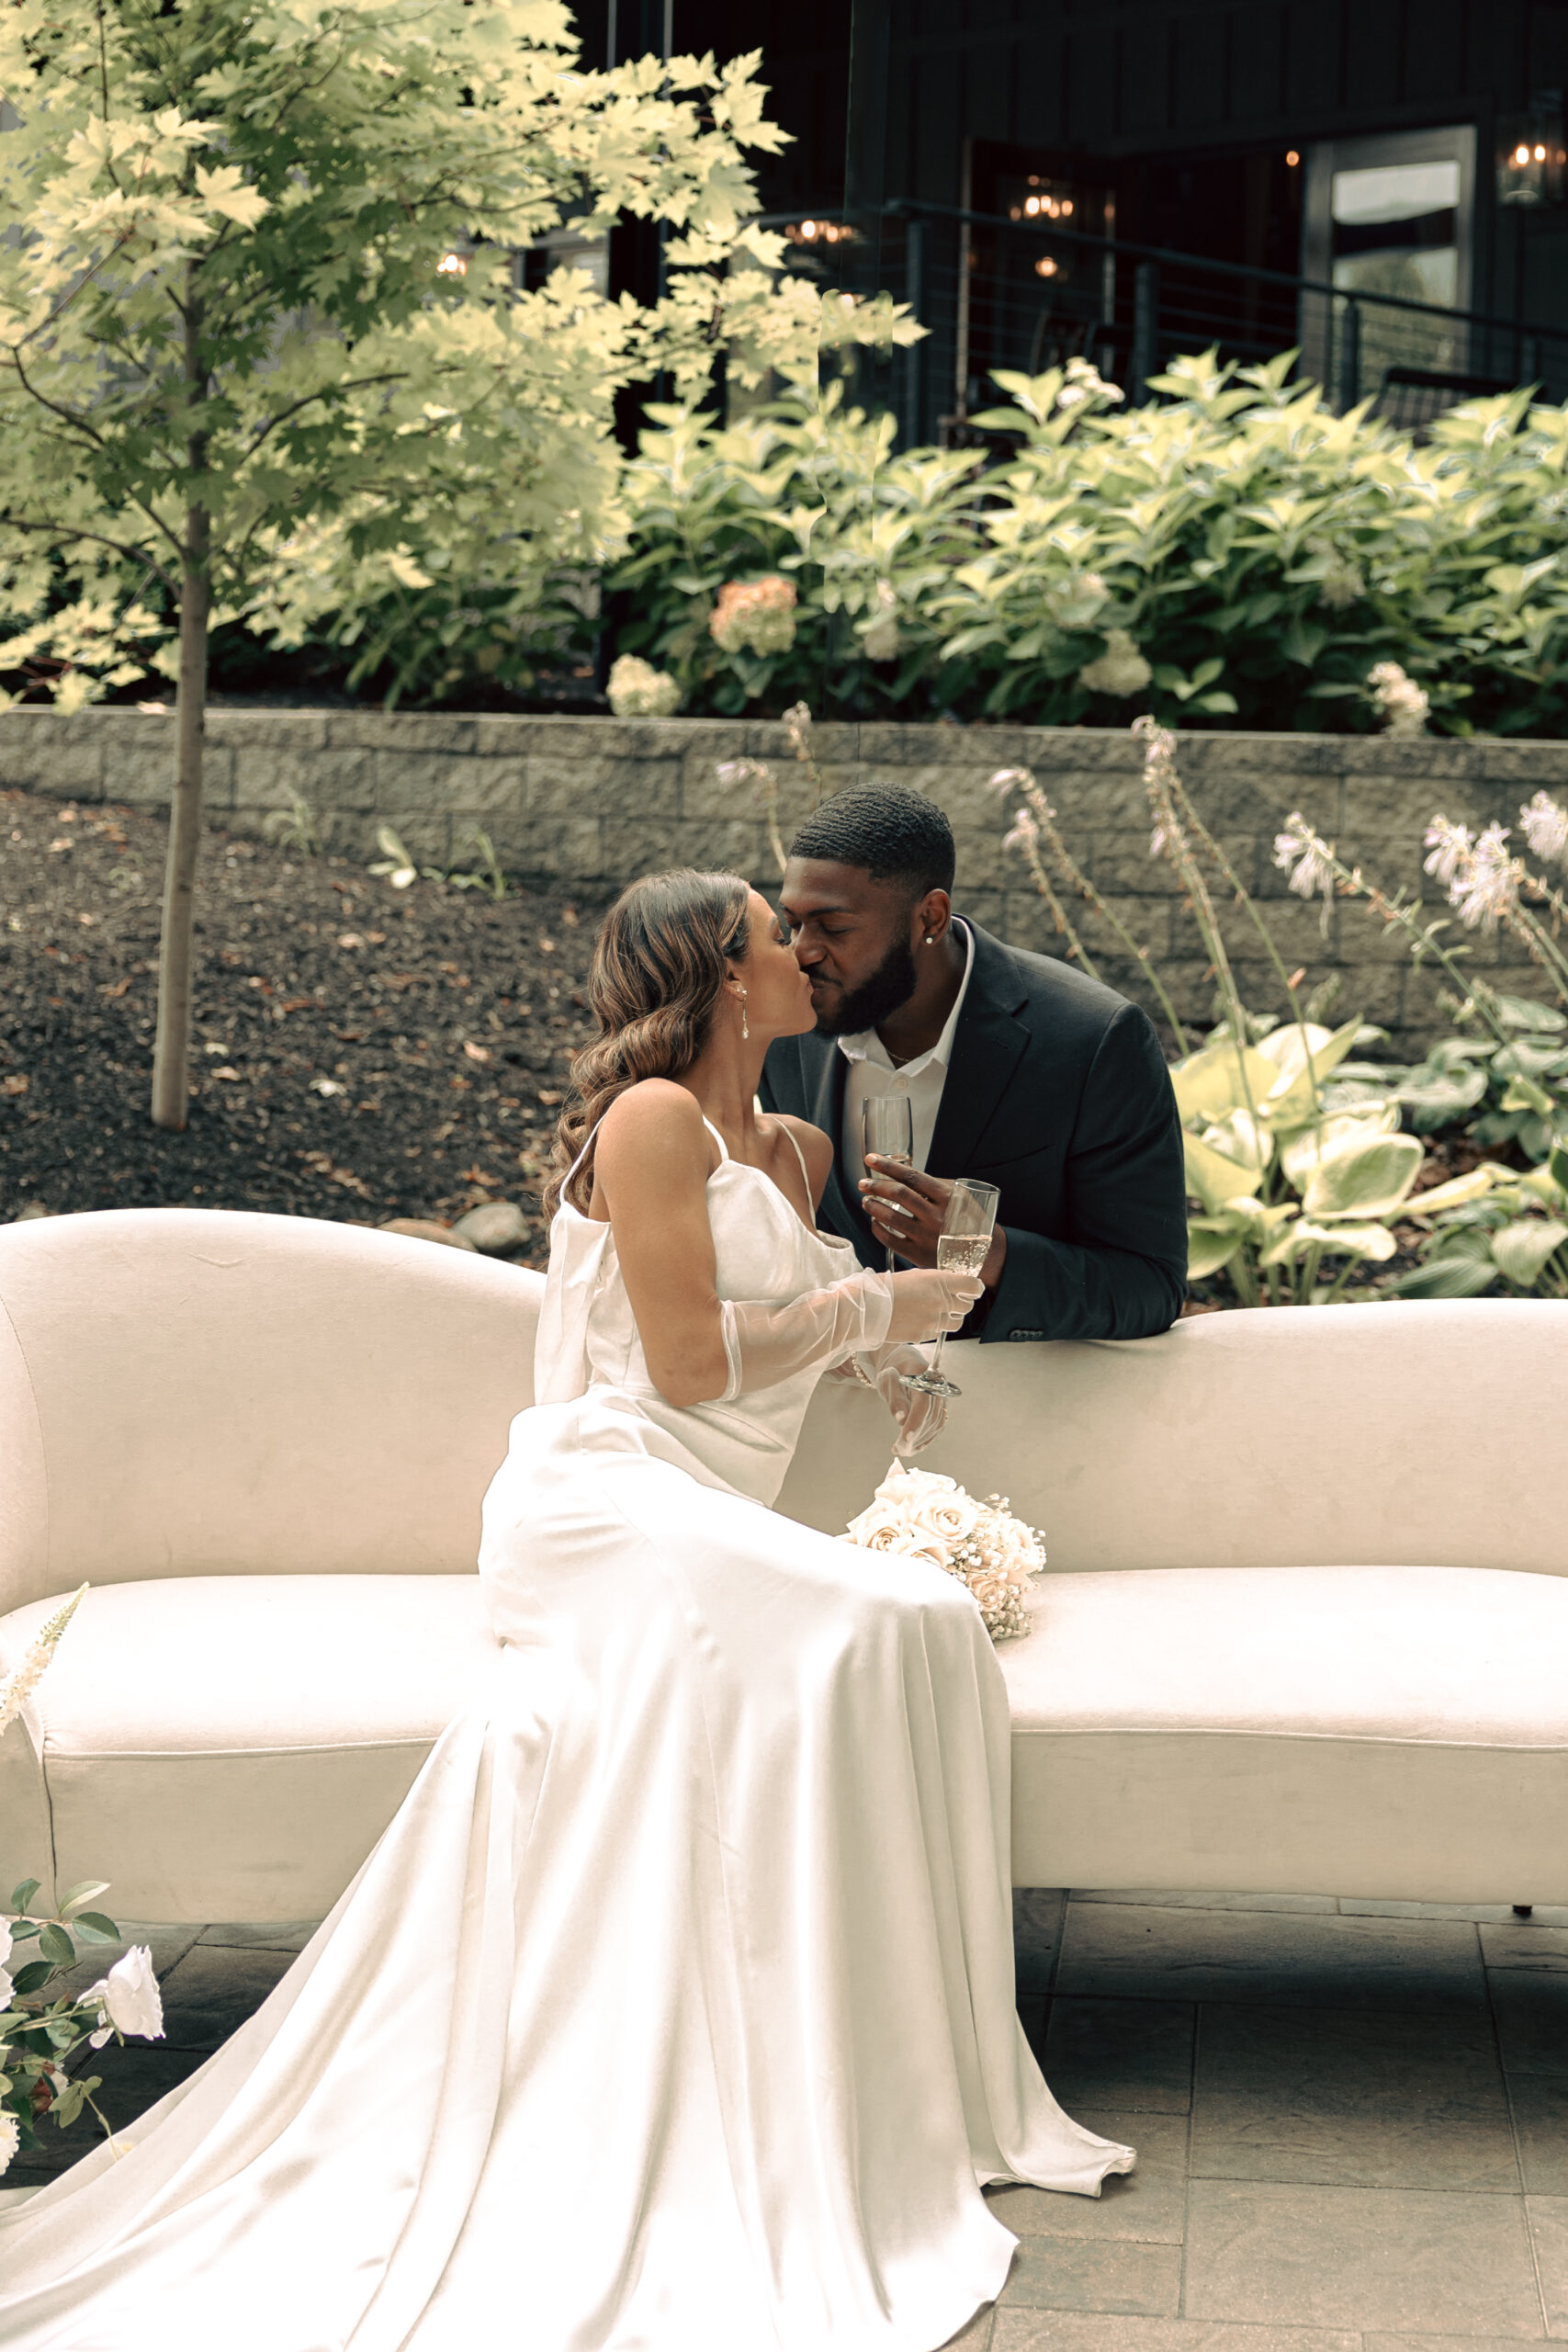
x=10, y=2137
x=1404, y=707
x=1121, y=670
x=636, y=690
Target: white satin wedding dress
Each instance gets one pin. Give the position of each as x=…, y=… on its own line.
x=674, y=2011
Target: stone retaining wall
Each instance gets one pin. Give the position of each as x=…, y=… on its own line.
x=591, y=802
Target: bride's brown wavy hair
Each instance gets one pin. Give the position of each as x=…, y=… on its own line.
x=657, y=976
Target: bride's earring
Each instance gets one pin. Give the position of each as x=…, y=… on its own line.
x=745, y=1024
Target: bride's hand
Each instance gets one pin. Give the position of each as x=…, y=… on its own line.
x=929, y=1300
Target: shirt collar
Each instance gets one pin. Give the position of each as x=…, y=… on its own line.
x=866, y=1045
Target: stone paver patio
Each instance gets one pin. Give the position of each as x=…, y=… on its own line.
x=1351, y=2118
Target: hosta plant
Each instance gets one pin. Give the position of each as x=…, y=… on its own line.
x=1290, y=1187
x=1494, y=1229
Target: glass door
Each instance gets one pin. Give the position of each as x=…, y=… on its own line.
x=1388, y=221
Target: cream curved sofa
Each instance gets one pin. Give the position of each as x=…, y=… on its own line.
x=1305, y=1628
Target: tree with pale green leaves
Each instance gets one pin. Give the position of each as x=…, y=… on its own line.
x=262, y=345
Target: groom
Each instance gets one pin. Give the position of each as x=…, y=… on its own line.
x=1019, y=1069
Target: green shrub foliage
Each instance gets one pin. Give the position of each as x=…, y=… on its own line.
x=1232, y=555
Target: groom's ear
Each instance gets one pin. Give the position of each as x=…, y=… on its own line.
x=932, y=917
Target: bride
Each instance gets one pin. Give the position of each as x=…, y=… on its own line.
x=674, y=2011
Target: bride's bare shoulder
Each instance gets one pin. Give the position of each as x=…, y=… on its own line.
x=655, y=1114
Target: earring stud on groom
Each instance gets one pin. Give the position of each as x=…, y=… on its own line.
x=1019, y=1070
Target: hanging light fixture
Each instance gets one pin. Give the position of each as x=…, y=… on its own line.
x=1530, y=153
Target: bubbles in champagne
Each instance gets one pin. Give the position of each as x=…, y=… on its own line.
x=963, y=1253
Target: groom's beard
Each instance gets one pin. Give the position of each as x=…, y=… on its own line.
x=891, y=985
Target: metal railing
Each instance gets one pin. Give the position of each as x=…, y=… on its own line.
x=996, y=292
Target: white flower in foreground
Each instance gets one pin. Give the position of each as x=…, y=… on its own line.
x=1404, y=706
x=129, y=1996
x=1312, y=859
x=1545, y=823
x=21, y=1684
x=10, y=2137
x=636, y=690
x=1121, y=670
x=1488, y=887
x=1451, y=846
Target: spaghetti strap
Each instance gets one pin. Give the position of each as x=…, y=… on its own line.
x=805, y=1171
x=723, y=1146
x=582, y=1155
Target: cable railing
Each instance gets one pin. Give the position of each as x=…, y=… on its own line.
x=1024, y=294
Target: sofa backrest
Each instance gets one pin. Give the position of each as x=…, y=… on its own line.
x=1430, y=1433
x=187, y=1393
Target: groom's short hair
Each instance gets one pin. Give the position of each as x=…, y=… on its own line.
x=892, y=833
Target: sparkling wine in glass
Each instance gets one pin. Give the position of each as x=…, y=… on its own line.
x=964, y=1244
x=887, y=1126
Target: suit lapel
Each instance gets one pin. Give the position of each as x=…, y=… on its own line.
x=987, y=1045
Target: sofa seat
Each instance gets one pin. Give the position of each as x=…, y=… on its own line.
x=232, y=1747
x=1398, y=1731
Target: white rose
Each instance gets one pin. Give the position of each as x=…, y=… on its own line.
x=10, y=2137
x=129, y=1994
x=947, y=1519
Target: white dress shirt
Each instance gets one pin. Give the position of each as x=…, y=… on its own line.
x=922, y=1079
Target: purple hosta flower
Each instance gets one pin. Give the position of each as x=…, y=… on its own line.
x=1545, y=821
x=1305, y=857
x=797, y=727
x=1452, y=847
x=1024, y=832
x=1490, y=885
x=733, y=773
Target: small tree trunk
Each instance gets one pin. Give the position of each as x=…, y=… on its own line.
x=171, y=1055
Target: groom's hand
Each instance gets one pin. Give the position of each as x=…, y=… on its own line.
x=907, y=1208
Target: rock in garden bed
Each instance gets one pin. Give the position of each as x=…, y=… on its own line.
x=359, y=1052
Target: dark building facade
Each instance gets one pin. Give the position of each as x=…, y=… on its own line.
x=1026, y=170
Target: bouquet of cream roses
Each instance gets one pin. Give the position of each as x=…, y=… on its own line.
x=928, y=1517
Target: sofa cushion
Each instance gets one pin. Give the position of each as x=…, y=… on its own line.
x=1369, y=1731
x=231, y=1748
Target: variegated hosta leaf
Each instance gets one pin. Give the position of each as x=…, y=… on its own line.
x=1364, y=1178
x=1212, y=1243
x=1373, y=1242
x=1239, y=1136
x=1460, y=1190
x=1301, y=1151
x=1522, y=1248
x=1546, y=1187
x=1210, y=1083
x=1215, y=1180
x=1293, y=1096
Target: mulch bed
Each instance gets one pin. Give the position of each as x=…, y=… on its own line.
x=359, y=1052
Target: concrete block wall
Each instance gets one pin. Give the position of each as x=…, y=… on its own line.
x=590, y=803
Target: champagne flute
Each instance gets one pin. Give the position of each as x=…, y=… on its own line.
x=888, y=1127
x=963, y=1244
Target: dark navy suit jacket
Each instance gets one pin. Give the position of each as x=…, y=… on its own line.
x=1058, y=1093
